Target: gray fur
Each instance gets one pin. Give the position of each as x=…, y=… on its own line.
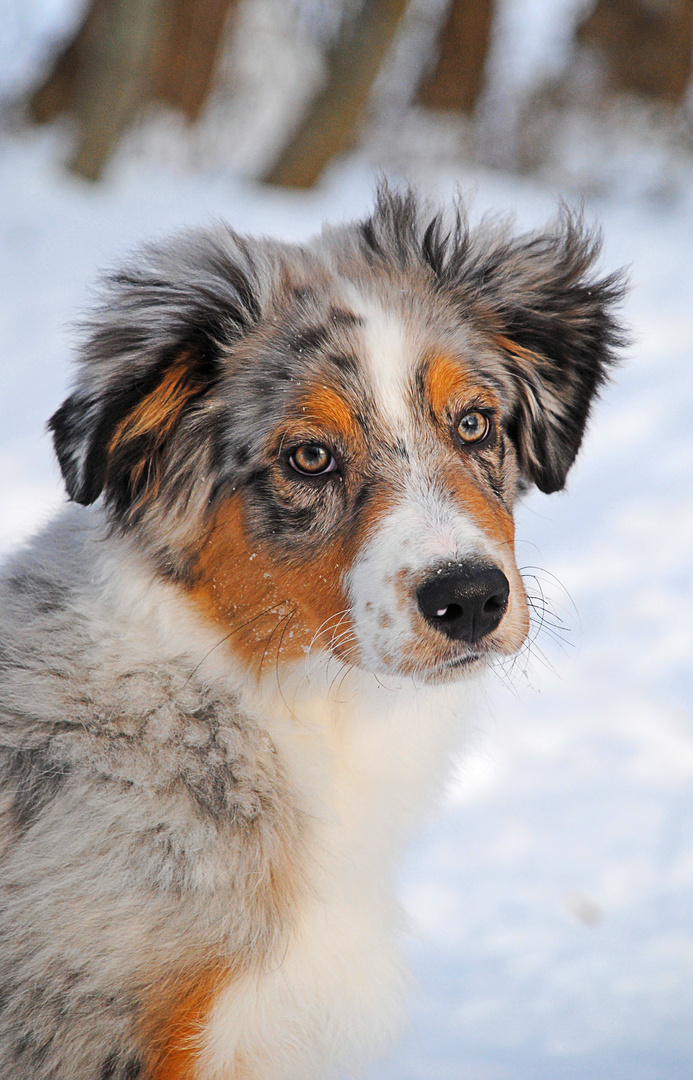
x=138, y=804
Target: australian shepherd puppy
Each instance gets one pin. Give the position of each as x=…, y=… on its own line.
x=232, y=677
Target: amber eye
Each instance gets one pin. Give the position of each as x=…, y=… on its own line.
x=312, y=459
x=473, y=427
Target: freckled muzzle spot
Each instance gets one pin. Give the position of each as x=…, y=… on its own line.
x=437, y=580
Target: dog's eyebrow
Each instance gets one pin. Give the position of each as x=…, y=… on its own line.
x=487, y=378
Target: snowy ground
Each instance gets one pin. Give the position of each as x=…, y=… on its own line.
x=553, y=901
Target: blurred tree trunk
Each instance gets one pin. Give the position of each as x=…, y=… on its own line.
x=330, y=123
x=647, y=44
x=188, y=55
x=126, y=53
x=464, y=39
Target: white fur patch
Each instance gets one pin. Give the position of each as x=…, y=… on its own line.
x=424, y=530
x=367, y=763
x=389, y=356
x=335, y=997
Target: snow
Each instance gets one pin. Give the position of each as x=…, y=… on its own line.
x=30, y=31
x=551, y=902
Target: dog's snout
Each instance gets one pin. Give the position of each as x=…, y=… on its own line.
x=466, y=601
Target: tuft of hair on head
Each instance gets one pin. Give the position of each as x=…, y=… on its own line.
x=541, y=298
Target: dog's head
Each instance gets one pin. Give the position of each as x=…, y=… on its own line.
x=323, y=445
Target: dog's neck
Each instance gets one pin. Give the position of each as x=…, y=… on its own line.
x=373, y=755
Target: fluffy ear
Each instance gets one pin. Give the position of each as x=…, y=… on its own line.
x=554, y=322
x=152, y=352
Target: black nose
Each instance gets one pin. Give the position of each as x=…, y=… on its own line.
x=466, y=601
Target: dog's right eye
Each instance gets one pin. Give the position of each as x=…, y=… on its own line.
x=473, y=427
x=312, y=459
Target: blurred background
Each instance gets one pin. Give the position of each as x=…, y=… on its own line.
x=552, y=903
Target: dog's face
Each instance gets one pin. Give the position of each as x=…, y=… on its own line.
x=375, y=483
x=323, y=446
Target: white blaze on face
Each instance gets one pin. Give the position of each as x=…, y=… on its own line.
x=389, y=355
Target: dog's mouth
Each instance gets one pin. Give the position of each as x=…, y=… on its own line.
x=463, y=661
x=457, y=667
x=454, y=668
x=447, y=670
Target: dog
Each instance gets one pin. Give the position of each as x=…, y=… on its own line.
x=233, y=674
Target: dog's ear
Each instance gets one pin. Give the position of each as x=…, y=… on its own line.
x=555, y=325
x=153, y=351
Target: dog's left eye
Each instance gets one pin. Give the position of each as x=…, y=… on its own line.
x=473, y=427
x=312, y=459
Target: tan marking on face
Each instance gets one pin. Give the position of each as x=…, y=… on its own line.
x=452, y=390
x=274, y=609
x=325, y=406
x=482, y=505
x=447, y=384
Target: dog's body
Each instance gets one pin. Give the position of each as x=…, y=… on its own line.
x=185, y=846
x=226, y=691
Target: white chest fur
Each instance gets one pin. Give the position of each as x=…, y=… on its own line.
x=366, y=766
